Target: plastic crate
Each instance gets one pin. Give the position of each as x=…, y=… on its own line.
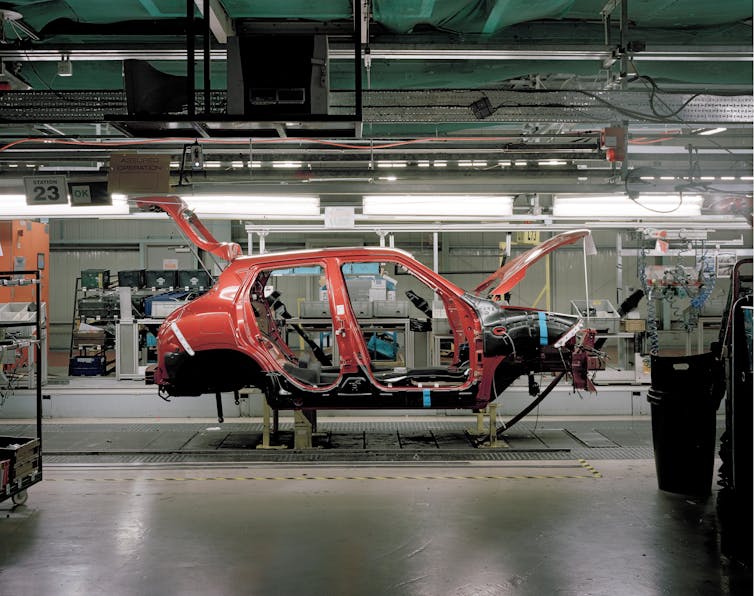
x=397, y=309
x=102, y=307
x=162, y=305
x=160, y=279
x=315, y=309
x=134, y=278
x=87, y=366
x=194, y=279
x=95, y=278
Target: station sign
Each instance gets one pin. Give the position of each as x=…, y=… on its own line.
x=46, y=190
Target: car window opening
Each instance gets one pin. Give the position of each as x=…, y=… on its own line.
x=304, y=353
x=395, y=361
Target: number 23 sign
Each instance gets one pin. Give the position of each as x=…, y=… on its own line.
x=46, y=190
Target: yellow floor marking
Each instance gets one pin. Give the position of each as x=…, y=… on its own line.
x=592, y=473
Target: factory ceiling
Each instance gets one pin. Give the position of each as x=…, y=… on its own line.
x=514, y=96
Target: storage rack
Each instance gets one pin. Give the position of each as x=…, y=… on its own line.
x=95, y=352
x=16, y=489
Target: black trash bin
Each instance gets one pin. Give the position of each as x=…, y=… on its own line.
x=684, y=397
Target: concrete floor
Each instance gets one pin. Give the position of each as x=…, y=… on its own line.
x=462, y=528
x=215, y=531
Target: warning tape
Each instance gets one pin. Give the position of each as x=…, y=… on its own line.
x=584, y=464
x=593, y=474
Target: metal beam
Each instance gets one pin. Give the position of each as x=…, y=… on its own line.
x=542, y=223
x=220, y=23
x=344, y=51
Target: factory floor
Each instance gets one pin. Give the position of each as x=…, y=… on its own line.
x=134, y=514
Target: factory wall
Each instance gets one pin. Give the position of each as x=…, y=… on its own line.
x=466, y=259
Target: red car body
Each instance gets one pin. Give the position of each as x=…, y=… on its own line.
x=235, y=336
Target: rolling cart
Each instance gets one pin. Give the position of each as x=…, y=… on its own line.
x=21, y=457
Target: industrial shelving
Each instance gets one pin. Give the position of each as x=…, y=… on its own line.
x=25, y=468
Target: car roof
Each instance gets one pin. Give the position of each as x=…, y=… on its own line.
x=351, y=252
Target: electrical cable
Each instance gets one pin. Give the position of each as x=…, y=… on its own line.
x=653, y=93
x=635, y=200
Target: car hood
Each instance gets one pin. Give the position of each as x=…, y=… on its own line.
x=508, y=276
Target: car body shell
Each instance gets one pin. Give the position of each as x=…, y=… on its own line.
x=228, y=338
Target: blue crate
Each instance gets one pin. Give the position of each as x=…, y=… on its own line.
x=164, y=297
x=87, y=366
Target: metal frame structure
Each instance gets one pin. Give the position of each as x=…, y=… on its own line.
x=18, y=493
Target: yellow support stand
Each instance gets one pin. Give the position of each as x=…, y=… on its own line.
x=302, y=430
x=266, y=411
x=491, y=440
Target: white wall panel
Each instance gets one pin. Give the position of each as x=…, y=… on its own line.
x=114, y=231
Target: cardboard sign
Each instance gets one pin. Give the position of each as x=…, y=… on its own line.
x=135, y=173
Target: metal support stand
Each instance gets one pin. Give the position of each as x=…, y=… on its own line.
x=219, y=402
x=487, y=436
x=266, y=410
x=304, y=425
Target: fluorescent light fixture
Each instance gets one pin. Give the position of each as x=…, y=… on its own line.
x=646, y=205
x=552, y=162
x=249, y=206
x=519, y=163
x=388, y=178
x=423, y=163
x=439, y=163
x=287, y=164
x=15, y=207
x=438, y=206
x=711, y=131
